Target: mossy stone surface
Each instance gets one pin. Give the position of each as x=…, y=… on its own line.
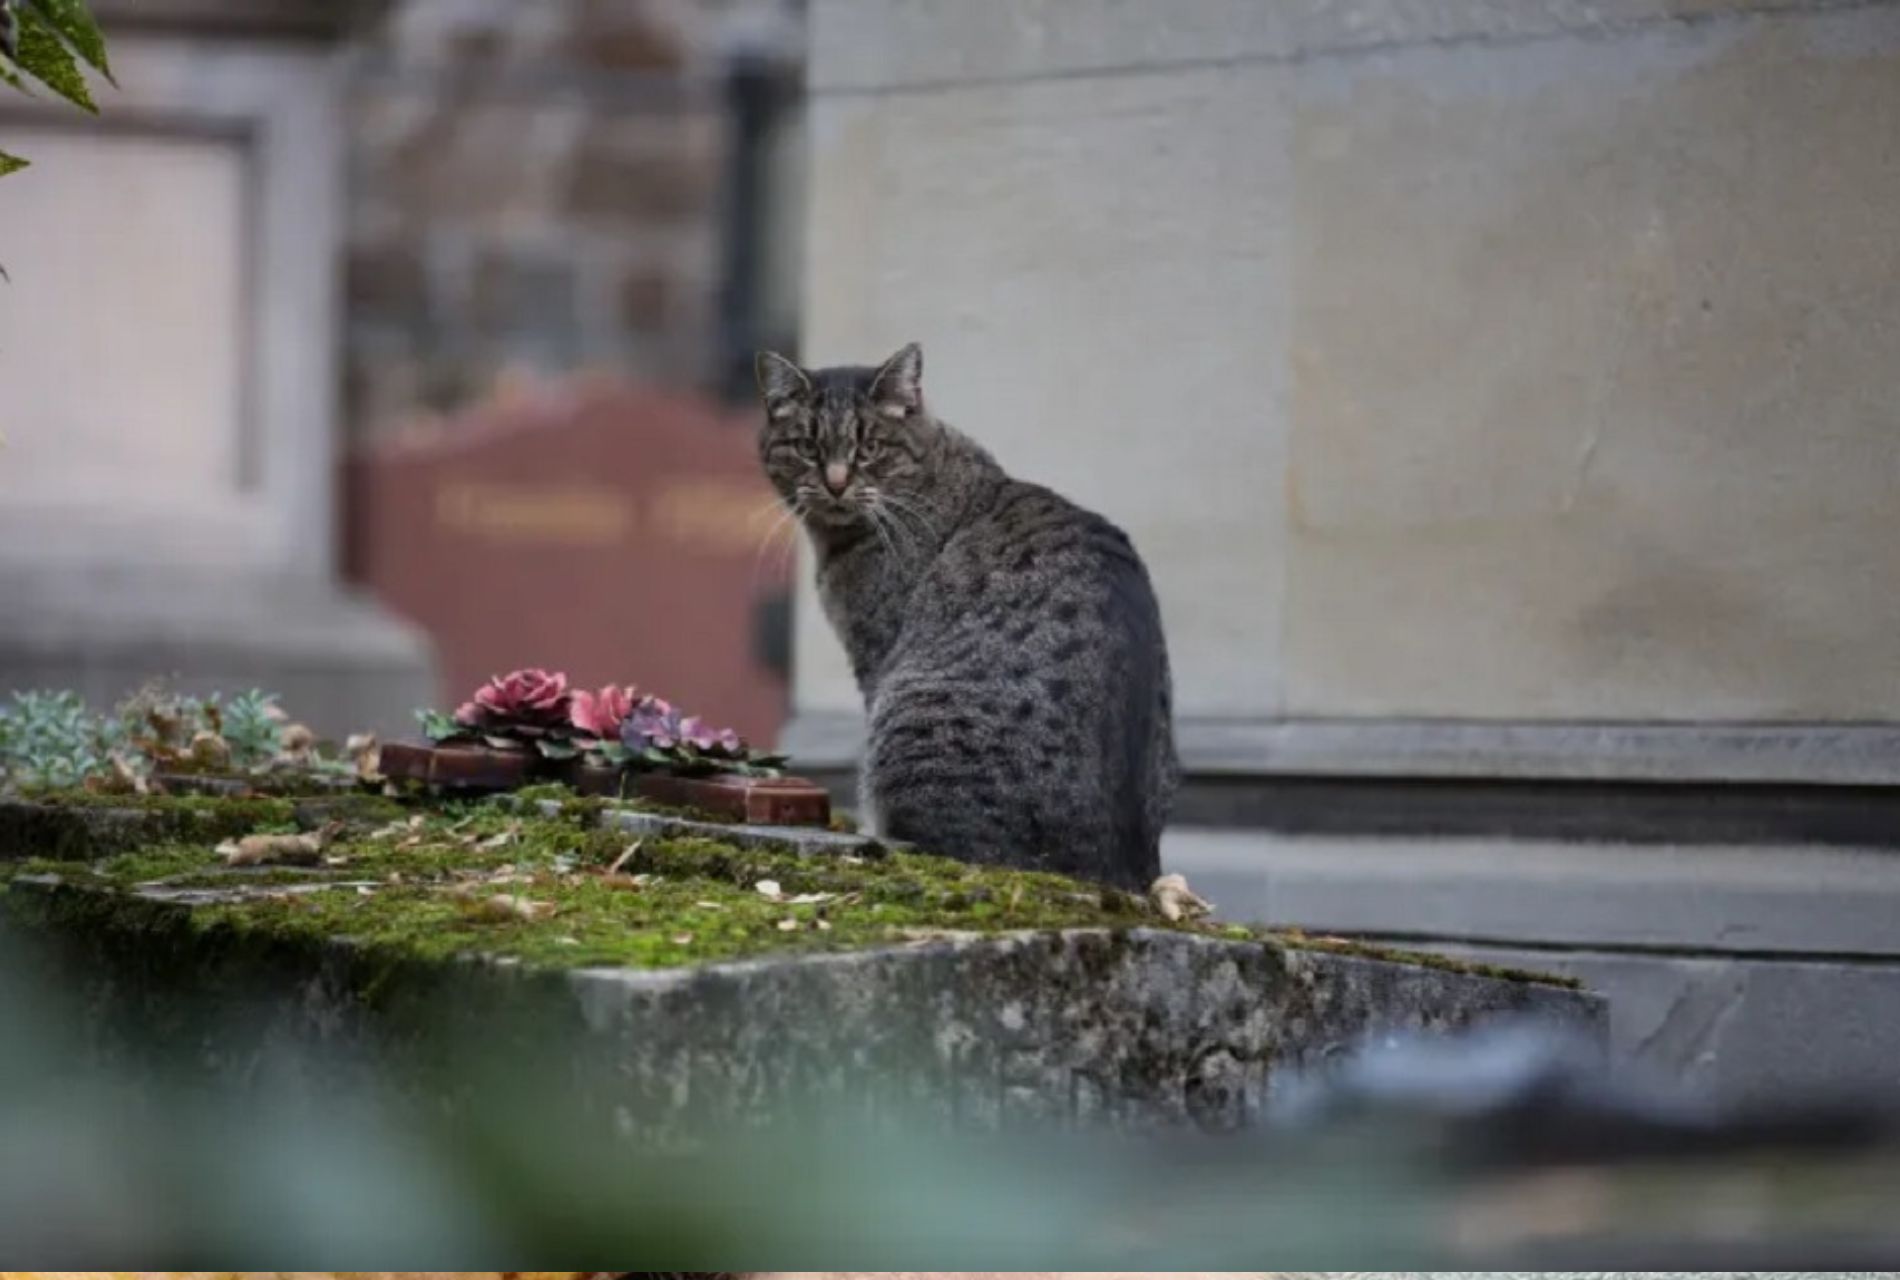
x=675, y=980
x=421, y=878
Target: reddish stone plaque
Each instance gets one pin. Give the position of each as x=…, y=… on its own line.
x=612, y=533
x=774, y=802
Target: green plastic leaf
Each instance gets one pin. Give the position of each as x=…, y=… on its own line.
x=70, y=19
x=552, y=749
x=11, y=164
x=437, y=727
x=45, y=57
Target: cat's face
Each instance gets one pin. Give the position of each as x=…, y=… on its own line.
x=843, y=445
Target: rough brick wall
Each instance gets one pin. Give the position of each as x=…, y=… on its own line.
x=538, y=186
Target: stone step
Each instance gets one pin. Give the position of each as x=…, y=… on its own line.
x=1734, y=898
x=1745, y=972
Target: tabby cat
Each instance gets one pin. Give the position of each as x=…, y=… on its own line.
x=1007, y=642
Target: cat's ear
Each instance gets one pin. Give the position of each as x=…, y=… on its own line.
x=897, y=392
x=782, y=384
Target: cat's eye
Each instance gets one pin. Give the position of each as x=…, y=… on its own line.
x=870, y=448
x=808, y=449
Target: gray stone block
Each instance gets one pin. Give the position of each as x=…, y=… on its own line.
x=891, y=45
x=1792, y=899
x=339, y=661
x=1740, y=1031
x=1133, y=1029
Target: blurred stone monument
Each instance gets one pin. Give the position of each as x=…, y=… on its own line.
x=168, y=349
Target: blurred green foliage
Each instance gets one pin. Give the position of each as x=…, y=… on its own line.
x=51, y=42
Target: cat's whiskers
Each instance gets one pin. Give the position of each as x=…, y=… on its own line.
x=768, y=507
x=792, y=511
x=878, y=521
x=882, y=517
x=875, y=518
x=923, y=530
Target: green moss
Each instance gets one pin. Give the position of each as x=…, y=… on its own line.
x=1352, y=947
x=527, y=799
x=543, y=791
x=76, y=826
x=419, y=879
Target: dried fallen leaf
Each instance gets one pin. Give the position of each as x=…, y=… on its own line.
x=936, y=935
x=126, y=777
x=297, y=851
x=787, y=925
x=615, y=880
x=209, y=751
x=508, y=907
x=824, y=925
x=769, y=889
x=682, y=939
x=367, y=753
x=626, y=855
x=806, y=899
x=500, y=839
x=1175, y=901
x=710, y=906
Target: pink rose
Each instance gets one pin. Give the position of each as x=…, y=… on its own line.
x=532, y=696
x=600, y=715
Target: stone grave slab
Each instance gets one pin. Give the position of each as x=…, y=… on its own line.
x=703, y=975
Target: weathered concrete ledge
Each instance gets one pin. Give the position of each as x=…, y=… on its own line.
x=690, y=980
x=1069, y=1028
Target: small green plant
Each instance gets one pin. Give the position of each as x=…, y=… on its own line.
x=252, y=725
x=49, y=738
x=48, y=41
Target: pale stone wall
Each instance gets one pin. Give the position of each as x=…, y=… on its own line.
x=167, y=346
x=166, y=340
x=1506, y=361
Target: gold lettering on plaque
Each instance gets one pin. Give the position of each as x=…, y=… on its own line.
x=535, y=515
x=713, y=517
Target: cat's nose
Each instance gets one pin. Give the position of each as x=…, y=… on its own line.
x=837, y=476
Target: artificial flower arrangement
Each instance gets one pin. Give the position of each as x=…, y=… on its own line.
x=617, y=727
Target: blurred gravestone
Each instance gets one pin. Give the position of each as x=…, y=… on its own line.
x=614, y=533
x=167, y=346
